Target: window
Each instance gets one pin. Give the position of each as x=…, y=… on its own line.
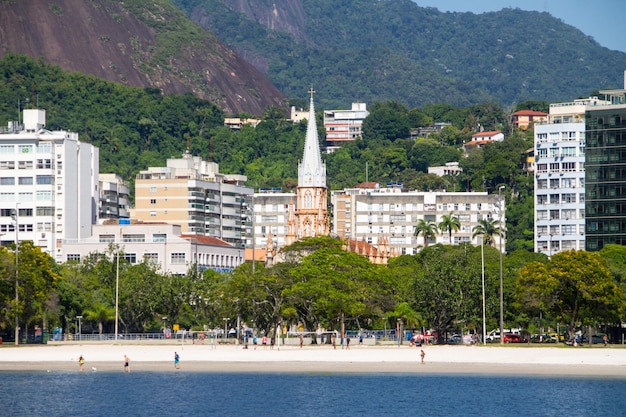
x=568, y=214
x=178, y=257
x=7, y=149
x=7, y=196
x=568, y=198
x=542, y=184
x=106, y=238
x=7, y=181
x=554, y=184
x=153, y=201
x=554, y=215
x=554, y=167
x=7, y=164
x=542, y=168
x=151, y=258
x=44, y=179
x=44, y=147
x=554, y=199
x=131, y=257
x=25, y=165
x=25, y=181
x=542, y=214
x=159, y=238
x=542, y=199
x=153, y=189
x=569, y=166
x=45, y=211
x=25, y=148
x=44, y=163
x=44, y=195
x=73, y=257
x=133, y=238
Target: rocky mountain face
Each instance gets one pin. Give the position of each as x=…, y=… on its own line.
x=143, y=43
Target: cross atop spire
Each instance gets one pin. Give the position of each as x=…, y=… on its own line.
x=311, y=92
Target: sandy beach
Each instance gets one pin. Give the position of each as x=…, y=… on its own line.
x=514, y=360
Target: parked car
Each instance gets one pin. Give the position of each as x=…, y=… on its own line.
x=455, y=339
x=512, y=338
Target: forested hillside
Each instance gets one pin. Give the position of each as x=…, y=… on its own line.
x=136, y=128
x=373, y=50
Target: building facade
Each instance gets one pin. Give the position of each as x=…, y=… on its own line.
x=48, y=184
x=344, y=125
x=389, y=216
x=114, y=202
x=159, y=243
x=605, y=187
x=559, y=174
x=193, y=193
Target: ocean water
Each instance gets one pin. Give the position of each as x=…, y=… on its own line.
x=324, y=394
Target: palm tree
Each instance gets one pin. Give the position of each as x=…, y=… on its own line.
x=428, y=229
x=449, y=223
x=101, y=314
x=488, y=228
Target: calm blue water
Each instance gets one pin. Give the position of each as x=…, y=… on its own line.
x=210, y=394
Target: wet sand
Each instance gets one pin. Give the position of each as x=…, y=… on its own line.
x=479, y=360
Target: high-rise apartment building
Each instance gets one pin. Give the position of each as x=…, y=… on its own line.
x=193, y=193
x=114, y=200
x=48, y=184
x=605, y=188
x=560, y=177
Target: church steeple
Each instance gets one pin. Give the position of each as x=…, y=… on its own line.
x=311, y=170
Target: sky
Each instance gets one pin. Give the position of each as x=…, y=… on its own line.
x=601, y=19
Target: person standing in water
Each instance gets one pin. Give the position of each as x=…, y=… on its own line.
x=126, y=364
x=176, y=360
x=81, y=362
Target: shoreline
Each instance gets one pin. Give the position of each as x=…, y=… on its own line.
x=440, y=360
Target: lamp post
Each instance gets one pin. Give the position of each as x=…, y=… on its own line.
x=500, y=203
x=117, y=294
x=16, y=218
x=482, y=256
x=80, y=332
x=225, y=327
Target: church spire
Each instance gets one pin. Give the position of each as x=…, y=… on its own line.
x=311, y=170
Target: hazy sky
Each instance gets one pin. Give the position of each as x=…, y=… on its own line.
x=601, y=19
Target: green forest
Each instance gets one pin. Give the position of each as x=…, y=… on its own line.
x=375, y=51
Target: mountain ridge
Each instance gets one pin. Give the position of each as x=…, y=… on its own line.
x=380, y=50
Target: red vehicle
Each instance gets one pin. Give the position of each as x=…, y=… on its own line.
x=512, y=338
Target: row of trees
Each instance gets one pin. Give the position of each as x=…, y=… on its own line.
x=321, y=285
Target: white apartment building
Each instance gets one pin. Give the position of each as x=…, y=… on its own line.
x=344, y=125
x=450, y=168
x=160, y=243
x=114, y=200
x=371, y=214
x=560, y=178
x=50, y=180
x=271, y=214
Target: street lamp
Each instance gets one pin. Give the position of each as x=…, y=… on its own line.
x=79, y=327
x=164, y=320
x=225, y=327
x=117, y=294
x=482, y=256
x=501, y=206
x=15, y=215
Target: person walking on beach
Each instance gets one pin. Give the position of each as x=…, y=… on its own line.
x=176, y=360
x=422, y=355
x=264, y=341
x=334, y=340
x=347, y=342
x=126, y=364
x=81, y=362
x=301, y=340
